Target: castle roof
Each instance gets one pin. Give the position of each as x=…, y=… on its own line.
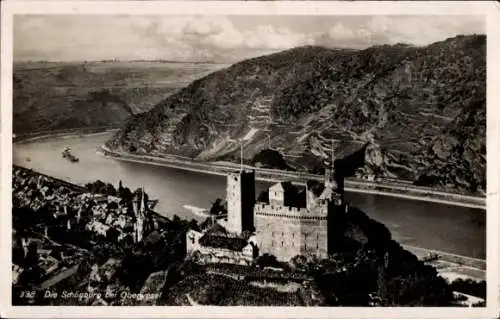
x=223, y=242
x=283, y=186
x=216, y=230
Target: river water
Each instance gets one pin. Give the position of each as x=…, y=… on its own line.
x=442, y=227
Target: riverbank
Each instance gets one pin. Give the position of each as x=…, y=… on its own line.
x=43, y=135
x=272, y=175
x=398, y=190
x=452, y=266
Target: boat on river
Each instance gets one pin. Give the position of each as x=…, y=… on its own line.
x=67, y=154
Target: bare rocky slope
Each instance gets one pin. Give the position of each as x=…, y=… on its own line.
x=420, y=110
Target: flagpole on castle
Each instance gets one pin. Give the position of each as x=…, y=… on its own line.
x=241, y=156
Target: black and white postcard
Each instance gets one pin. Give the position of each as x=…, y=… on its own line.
x=283, y=159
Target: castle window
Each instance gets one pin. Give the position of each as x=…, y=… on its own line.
x=281, y=244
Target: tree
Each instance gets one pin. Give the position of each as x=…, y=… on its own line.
x=299, y=262
x=112, y=234
x=176, y=221
x=193, y=224
x=113, y=205
x=267, y=260
x=382, y=284
x=32, y=255
x=110, y=190
x=217, y=207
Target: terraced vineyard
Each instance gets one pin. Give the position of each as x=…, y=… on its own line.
x=421, y=109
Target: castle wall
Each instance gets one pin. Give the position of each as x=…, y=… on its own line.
x=288, y=231
x=217, y=255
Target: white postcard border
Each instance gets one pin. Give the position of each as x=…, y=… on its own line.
x=489, y=9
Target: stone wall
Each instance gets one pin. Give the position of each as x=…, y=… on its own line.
x=288, y=231
x=216, y=255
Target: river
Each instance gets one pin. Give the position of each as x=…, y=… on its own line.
x=453, y=229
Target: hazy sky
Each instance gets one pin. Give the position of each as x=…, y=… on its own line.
x=219, y=38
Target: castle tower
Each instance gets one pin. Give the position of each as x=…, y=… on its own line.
x=240, y=195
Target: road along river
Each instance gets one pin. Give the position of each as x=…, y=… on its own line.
x=453, y=229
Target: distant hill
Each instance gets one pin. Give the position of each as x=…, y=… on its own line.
x=420, y=109
x=59, y=95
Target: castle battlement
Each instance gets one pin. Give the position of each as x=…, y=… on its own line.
x=264, y=209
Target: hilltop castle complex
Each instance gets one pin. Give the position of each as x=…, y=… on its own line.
x=290, y=222
x=285, y=227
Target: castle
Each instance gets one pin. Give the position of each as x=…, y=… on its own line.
x=289, y=223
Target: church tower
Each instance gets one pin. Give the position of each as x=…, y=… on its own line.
x=240, y=196
x=140, y=216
